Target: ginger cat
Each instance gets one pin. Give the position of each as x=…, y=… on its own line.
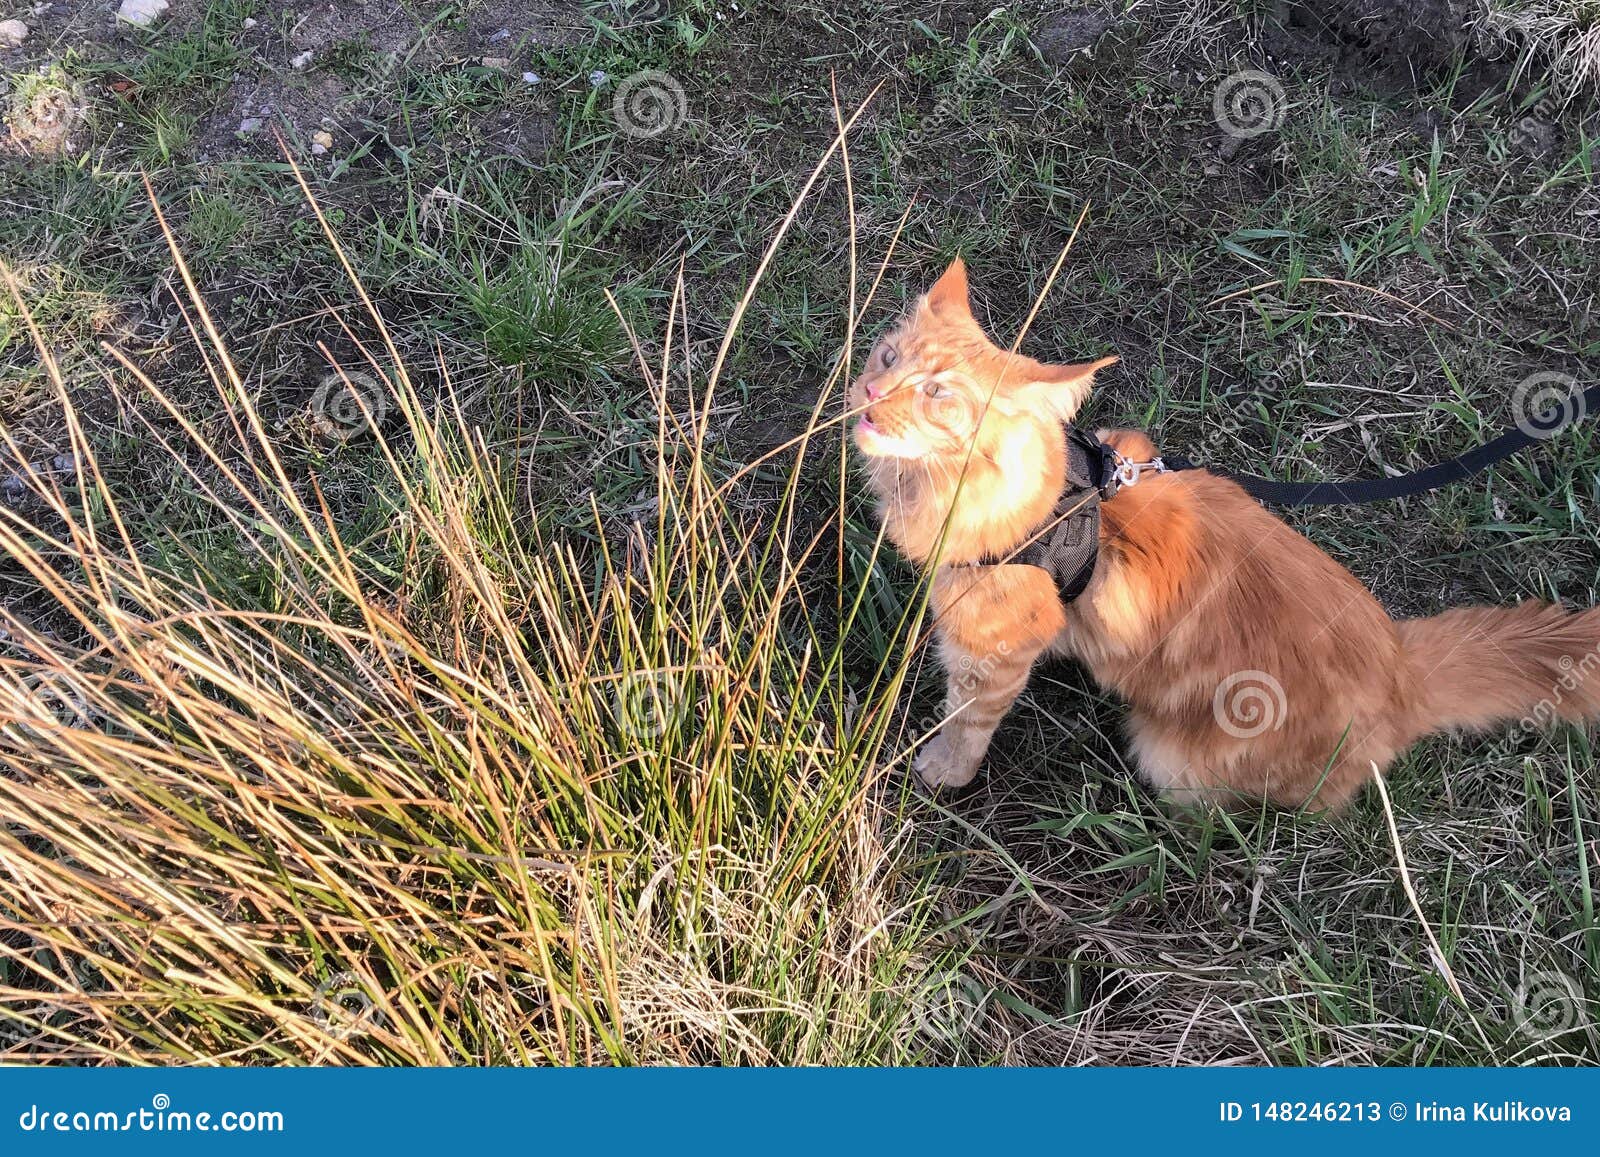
x=1255, y=666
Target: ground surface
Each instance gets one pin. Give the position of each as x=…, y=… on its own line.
x=1422, y=224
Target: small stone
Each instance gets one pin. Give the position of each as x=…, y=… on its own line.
x=303, y=61
x=497, y=62
x=501, y=34
x=12, y=33
x=321, y=142
x=142, y=13
x=530, y=78
x=250, y=124
x=249, y=23
x=597, y=78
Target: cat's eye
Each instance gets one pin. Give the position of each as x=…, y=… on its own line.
x=888, y=357
x=932, y=388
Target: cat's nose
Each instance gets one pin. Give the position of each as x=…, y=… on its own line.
x=873, y=390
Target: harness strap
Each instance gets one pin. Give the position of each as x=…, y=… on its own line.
x=1067, y=544
x=1361, y=490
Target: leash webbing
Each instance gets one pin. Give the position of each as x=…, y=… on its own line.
x=1360, y=490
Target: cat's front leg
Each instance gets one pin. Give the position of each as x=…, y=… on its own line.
x=979, y=692
x=992, y=623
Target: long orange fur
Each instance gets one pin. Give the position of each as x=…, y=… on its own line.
x=1254, y=665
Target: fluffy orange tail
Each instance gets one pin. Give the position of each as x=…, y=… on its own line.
x=1476, y=667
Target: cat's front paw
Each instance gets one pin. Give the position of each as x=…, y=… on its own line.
x=940, y=764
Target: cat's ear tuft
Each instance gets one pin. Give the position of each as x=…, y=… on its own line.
x=949, y=294
x=1057, y=390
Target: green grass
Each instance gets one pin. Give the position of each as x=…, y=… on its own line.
x=468, y=593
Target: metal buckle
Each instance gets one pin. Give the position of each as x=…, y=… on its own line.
x=1128, y=473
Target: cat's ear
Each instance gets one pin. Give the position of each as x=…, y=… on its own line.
x=948, y=295
x=1032, y=387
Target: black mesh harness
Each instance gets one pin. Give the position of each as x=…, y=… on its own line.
x=1066, y=545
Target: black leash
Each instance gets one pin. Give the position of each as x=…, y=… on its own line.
x=1360, y=490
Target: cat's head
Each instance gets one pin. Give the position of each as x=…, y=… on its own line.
x=936, y=387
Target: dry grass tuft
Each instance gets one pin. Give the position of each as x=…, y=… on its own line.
x=451, y=795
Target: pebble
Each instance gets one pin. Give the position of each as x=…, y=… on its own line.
x=250, y=124
x=502, y=34
x=249, y=23
x=498, y=62
x=530, y=78
x=321, y=142
x=142, y=13
x=597, y=78
x=303, y=61
x=12, y=33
